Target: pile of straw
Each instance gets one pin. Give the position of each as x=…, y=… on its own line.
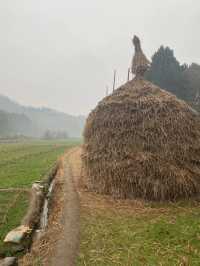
x=142, y=142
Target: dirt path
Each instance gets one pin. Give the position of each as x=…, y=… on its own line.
x=60, y=243
x=67, y=247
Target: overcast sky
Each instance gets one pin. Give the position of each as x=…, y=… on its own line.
x=61, y=53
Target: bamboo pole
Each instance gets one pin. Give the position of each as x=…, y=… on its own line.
x=129, y=70
x=114, y=80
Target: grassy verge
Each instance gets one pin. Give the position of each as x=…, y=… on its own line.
x=159, y=236
x=13, y=207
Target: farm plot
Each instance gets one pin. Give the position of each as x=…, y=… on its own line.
x=13, y=206
x=141, y=236
x=22, y=164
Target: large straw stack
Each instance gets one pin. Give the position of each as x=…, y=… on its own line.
x=142, y=142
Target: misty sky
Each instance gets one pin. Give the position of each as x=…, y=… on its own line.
x=62, y=53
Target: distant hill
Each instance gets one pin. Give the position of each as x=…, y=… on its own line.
x=39, y=120
x=15, y=124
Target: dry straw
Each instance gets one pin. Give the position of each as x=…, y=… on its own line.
x=142, y=142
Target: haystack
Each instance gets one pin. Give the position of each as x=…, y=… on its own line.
x=142, y=142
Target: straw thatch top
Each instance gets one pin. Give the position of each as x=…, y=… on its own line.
x=140, y=63
x=142, y=141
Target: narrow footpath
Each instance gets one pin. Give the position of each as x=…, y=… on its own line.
x=59, y=245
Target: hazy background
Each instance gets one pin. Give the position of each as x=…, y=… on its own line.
x=61, y=54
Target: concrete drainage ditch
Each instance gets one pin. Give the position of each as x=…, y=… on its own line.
x=44, y=213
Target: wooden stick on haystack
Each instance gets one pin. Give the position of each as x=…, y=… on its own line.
x=114, y=79
x=140, y=63
x=128, y=77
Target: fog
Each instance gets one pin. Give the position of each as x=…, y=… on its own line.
x=61, y=54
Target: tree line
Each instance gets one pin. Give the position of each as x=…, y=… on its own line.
x=181, y=80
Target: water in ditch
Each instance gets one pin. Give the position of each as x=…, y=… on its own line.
x=45, y=212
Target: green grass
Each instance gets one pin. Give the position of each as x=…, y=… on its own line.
x=21, y=164
x=13, y=207
x=164, y=238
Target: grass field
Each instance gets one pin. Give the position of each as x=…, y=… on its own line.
x=20, y=165
x=151, y=236
x=13, y=207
